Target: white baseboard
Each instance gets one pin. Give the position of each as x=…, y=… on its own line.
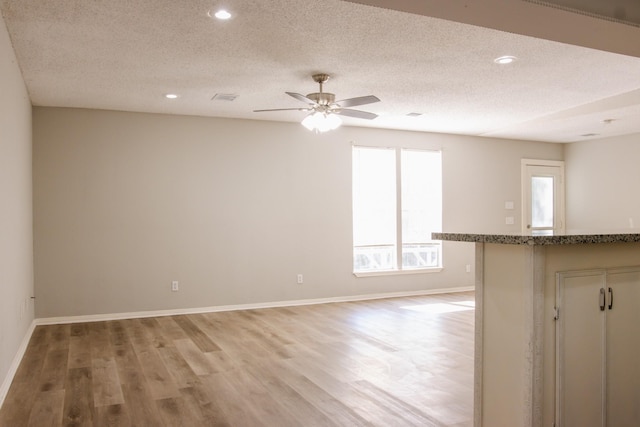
x=8, y=379
x=173, y=312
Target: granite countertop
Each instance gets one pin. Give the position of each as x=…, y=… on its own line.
x=566, y=238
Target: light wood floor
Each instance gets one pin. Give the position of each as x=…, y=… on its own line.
x=391, y=362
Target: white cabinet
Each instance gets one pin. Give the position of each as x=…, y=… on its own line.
x=598, y=348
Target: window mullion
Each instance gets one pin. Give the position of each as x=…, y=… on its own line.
x=398, y=208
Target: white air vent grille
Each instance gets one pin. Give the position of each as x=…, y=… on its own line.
x=224, y=97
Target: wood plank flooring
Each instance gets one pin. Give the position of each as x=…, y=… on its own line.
x=389, y=362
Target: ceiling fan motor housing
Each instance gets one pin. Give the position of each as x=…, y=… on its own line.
x=322, y=98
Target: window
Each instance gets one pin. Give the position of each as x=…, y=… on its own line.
x=397, y=204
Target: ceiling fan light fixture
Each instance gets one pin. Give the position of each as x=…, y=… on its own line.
x=321, y=122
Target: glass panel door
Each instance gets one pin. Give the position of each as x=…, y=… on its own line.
x=543, y=197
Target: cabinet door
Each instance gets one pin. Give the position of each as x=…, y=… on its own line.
x=623, y=347
x=580, y=349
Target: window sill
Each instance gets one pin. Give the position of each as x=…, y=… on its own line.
x=397, y=272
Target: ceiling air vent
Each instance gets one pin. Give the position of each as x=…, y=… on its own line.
x=224, y=97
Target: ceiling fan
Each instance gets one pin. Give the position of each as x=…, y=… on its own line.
x=323, y=107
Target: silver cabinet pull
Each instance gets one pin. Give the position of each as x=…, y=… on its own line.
x=610, y=298
x=602, y=298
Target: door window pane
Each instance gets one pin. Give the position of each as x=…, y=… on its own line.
x=542, y=202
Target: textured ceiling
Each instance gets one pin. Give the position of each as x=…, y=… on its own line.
x=124, y=55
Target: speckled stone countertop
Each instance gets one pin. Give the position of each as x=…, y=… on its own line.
x=566, y=238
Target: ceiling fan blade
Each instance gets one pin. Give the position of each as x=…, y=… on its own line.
x=361, y=100
x=356, y=113
x=283, y=109
x=301, y=98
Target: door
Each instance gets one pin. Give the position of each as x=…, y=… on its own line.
x=580, y=355
x=542, y=196
x=598, y=348
x=623, y=347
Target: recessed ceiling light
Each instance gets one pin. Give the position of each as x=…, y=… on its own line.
x=171, y=95
x=505, y=60
x=219, y=14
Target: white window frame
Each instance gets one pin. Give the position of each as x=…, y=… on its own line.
x=399, y=241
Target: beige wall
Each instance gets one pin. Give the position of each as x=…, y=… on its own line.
x=233, y=209
x=602, y=183
x=16, y=232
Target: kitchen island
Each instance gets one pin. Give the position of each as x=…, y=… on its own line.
x=539, y=334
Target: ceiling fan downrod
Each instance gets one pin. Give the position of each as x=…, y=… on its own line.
x=321, y=97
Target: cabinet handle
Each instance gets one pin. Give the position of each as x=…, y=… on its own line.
x=610, y=298
x=602, y=297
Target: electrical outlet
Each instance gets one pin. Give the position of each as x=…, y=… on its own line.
x=175, y=286
x=468, y=268
x=300, y=279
